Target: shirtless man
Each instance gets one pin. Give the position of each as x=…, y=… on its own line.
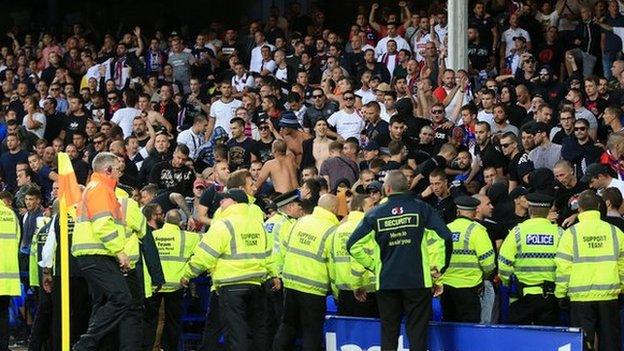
x=320, y=146
x=154, y=117
x=294, y=140
x=282, y=169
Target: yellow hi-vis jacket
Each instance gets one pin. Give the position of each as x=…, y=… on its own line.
x=175, y=247
x=590, y=260
x=9, y=241
x=278, y=227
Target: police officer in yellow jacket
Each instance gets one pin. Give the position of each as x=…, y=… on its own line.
x=9, y=268
x=590, y=272
x=352, y=285
x=277, y=228
x=401, y=230
x=306, y=277
x=472, y=260
x=529, y=253
x=98, y=244
x=236, y=253
x=175, y=247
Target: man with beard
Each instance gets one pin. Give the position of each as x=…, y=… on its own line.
x=376, y=128
x=501, y=125
x=580, y=151
x=441, y=126
x=545, y=154
x=486, y=151
x=123, y=61
x=567, y=190
x=520, y=165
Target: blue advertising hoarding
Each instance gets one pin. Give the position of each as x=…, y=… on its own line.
x=362, y=334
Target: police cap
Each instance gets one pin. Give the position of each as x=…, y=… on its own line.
x=466, y=203
x=286, y=198
x=539, y=200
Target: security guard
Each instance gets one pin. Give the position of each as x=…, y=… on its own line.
x=9, y=268
x=529, y=253
x=471, y=261
x=352, y=285
x=98, y=244
x=590, y=271
x=400, y=230
x=242, y=179
x=306, y=279
x=175, y=247
x=237, y=254
x=277, y=228
x=40, y=330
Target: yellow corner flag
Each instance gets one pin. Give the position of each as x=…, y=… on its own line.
x=69, y=194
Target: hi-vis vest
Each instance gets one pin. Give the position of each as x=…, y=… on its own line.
x=590, y=260
x=9, y=242
x=235, y=250
x=472, y=257
x=529, y=253
x=278, y=227
x=345, y=272
x=175, y=247
x=307, y=253
x=38, y=240
x=98, y=230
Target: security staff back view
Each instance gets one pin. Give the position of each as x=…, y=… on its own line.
x=400, y=229
x=98, y=244
x=590, y=267
x=529, y=253
x=472, y=259
x=9, y=268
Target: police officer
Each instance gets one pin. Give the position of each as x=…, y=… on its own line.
x=237, y=254
x=398, y=229
x=528, y=252
x=175, y=247
x=9, y=268
x=590, y=268
x=352, y=285
x=471, y=261
x=277, y=228
x=306, y=279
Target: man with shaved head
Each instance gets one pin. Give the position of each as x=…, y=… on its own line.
x=306, y=278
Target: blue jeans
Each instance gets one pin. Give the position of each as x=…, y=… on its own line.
x=487, y=302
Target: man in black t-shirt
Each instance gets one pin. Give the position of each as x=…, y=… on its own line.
x=209, y=200
x=486, y=150
x=241, y=149
x=520, y=165
x=174, y=175
x=75, y=121
x=567, y=190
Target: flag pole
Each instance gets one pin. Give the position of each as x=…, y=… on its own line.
x=64, y=275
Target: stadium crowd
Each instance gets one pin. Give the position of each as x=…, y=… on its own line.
x=320, y=128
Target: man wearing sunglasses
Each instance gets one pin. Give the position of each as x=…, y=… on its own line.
x=321, y=108
x=347, y=121
x=580, y=150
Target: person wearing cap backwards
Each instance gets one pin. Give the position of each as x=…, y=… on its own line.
x=291, y=134
x=174, y=247
x=237, y=254
x=403, y=232
x=528, y=252
x=306, y=277
x=278, y=227
x=546, y=154
x=353, y=286
x=472, y=259
x=598, y=177
x=590, y=272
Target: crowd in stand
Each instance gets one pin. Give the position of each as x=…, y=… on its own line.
x=305, y=106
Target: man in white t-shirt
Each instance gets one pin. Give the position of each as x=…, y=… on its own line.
x=124, y=117
x=382, y=46
x=255, y=63
x=348, y=122
x=486, y=113
x=507, y=38
x=223, y=110
x=194, y=137
x=598, y=178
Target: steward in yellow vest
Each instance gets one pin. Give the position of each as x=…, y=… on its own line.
x=9, y=268
x=352, y=285
x=590, y=272
x=528, y=252
x=306, y=277
x=472, y=260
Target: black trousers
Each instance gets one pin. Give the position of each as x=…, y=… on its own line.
x=41, y=331
x=415, y=304
x=534, y=309
x=349, y=306
x=173, y=320
x=130, y=328
x=242, y=312
x=213, y=328
x=110, y=296
x=275, y=310
x=461, y=304
x=598, y=317
x=305, y=310
x=4, y=322
x=79, y=310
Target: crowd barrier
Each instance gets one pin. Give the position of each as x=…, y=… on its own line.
x=363, y=334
